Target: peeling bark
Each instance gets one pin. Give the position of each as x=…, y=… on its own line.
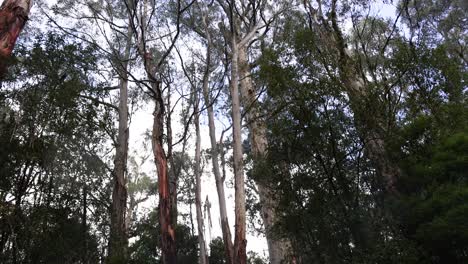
x=13, y=17
x=167, y=229
x=152, y=68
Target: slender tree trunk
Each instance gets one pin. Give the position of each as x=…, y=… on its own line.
x=167, y=228
x=227, y=237
x=277, y=248
x=240, y=241
x=13, y=17
x=118, y=241
x=201, y=239
x=172, y=171
x=168, y=246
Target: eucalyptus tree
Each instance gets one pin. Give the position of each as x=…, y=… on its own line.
x=116, y=44
x=357, y=75
x=246, y=21
x=254, y=16
x=234, y=40
x=13, y=17
x=201, y=20
x=191, y=75
x=53, y=188
x=198, y=172
x=154, y=52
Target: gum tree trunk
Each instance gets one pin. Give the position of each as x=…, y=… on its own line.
x=118, y=241
x=13, y=17
x=201, y=239
x=227, y=237
x=240, y=241
x=277, y=248
x=371, y=127
x=167, y=229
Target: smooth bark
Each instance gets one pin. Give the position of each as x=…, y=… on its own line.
x=227, y=237
x=203, y=259
x=240, y=241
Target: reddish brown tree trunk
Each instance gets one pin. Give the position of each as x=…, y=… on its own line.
x=13, y=17
x=167, y=229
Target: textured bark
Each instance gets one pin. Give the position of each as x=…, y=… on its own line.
x=167, y=229
x=371, y=127
x=201, y=238
x=227, y=238
x=240, y=241
x=277, y=248
x=173, y=172
x=168, y=246
x=13, y=17
x=118, y=240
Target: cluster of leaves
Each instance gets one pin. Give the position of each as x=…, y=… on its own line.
x=332, y=205
x=50, y=170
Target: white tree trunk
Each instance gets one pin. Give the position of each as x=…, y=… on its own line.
x=227, y=238
x=201, y=238
x=240, y=242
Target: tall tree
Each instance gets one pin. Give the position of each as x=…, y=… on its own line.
x=209, y=102
x=236, y=39
x=277, y=247
x=197, y=171
x=154, y=64
x=118, y=241
x=324, y=21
